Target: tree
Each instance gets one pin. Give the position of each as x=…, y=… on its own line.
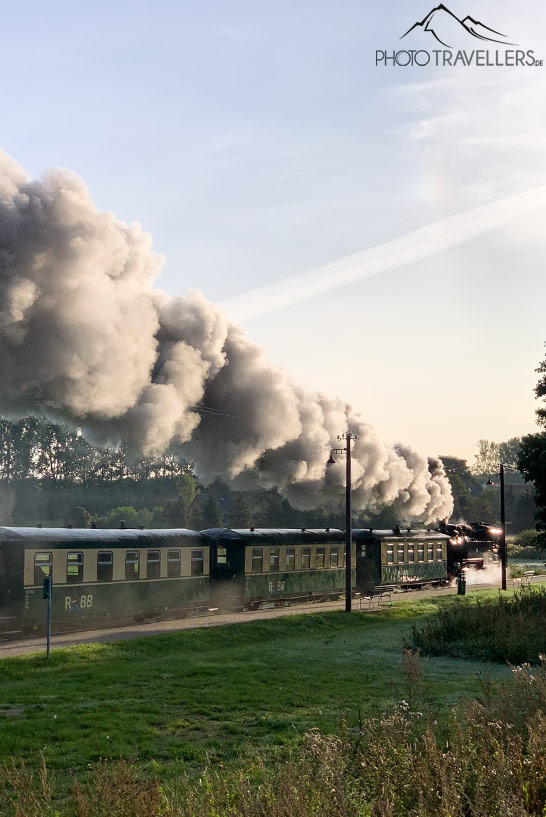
x=178, y=511
x=471, y=503
x=509, y=451
x=487, y=458
x=532, y=459
x=79, y=517
x=212, y=513
x=241, y=515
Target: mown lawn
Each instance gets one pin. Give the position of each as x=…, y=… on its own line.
x=170, y=701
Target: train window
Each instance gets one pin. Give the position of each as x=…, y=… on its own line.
x=197, y=563
x=105, y=566
x=421, y=552
x=439, y=552
x=411, y=553
x=321, y=554
x=42, y=566
x=334, y=557
x=430, y=551
x=173, y=563
x=257, y=560
x=305, y=558
x=74, y=567
x=132, y=564
x=390, y=554
x=290, y=558
x=153, y=564
x=400, y=554
x=221, y=556
x=274, y=555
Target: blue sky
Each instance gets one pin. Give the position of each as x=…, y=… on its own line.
x=258, y=140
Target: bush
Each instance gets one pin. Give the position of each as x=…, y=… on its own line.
x=131, y=518
x=504, y=629
x=525, y=545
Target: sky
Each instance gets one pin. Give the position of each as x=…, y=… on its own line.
x=379, y=230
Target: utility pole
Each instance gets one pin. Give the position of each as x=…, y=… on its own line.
x=348, y=436
x=503, y=526
x=502, y=466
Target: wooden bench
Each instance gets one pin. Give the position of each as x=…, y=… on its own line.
x=526, y=578
x=377, y=596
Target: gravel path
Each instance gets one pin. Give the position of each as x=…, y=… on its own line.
x=33, y=645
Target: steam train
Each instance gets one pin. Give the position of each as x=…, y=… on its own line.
x=104, y=578
x=474, y=545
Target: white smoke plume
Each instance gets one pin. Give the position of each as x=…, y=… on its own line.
x=86, y=337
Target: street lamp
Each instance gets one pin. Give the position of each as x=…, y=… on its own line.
x=348, y=530
x=502, y=466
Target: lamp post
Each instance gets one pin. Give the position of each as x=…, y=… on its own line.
x=348, y=529
x=502, y=466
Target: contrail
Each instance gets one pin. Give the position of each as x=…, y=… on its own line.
x=406, y=249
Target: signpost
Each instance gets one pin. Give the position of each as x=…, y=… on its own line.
x=47, y=591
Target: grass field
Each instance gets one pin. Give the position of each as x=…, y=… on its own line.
x=171, y=701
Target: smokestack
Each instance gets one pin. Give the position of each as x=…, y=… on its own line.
x=84, y=335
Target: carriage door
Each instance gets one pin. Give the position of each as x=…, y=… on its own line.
x=227, y=575
x=11, y=590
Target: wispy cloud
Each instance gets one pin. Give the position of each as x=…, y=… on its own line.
x=409, y=248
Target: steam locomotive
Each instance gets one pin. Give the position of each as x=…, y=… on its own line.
x=474, y=545
x=103, y=578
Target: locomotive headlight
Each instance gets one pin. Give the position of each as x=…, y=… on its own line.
x=495, y=531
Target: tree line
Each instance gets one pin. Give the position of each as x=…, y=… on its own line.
x=51, y=474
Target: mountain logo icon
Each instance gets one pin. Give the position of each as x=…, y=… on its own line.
x=448, y=30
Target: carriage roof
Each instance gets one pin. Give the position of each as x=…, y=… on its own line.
x=93, y=537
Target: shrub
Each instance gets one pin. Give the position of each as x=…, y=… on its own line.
x=525, y=545
x=504, y=629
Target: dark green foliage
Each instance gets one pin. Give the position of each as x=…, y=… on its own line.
x=524, y=540
x=532, y=464
x=510, y=628
x=532, y=458
x=471, y=501
x=179, y=512
x=127, y=515
x=241, y=515
x=212, y=516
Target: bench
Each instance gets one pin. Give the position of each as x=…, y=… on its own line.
x=378, y=595
x=526, y=578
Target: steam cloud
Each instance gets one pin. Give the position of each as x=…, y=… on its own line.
x=84, y=336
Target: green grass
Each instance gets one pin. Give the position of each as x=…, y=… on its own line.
x=173, y=700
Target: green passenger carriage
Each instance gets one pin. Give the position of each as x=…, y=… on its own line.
x=100, y=577
x=398, y=558
x=252, y=566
